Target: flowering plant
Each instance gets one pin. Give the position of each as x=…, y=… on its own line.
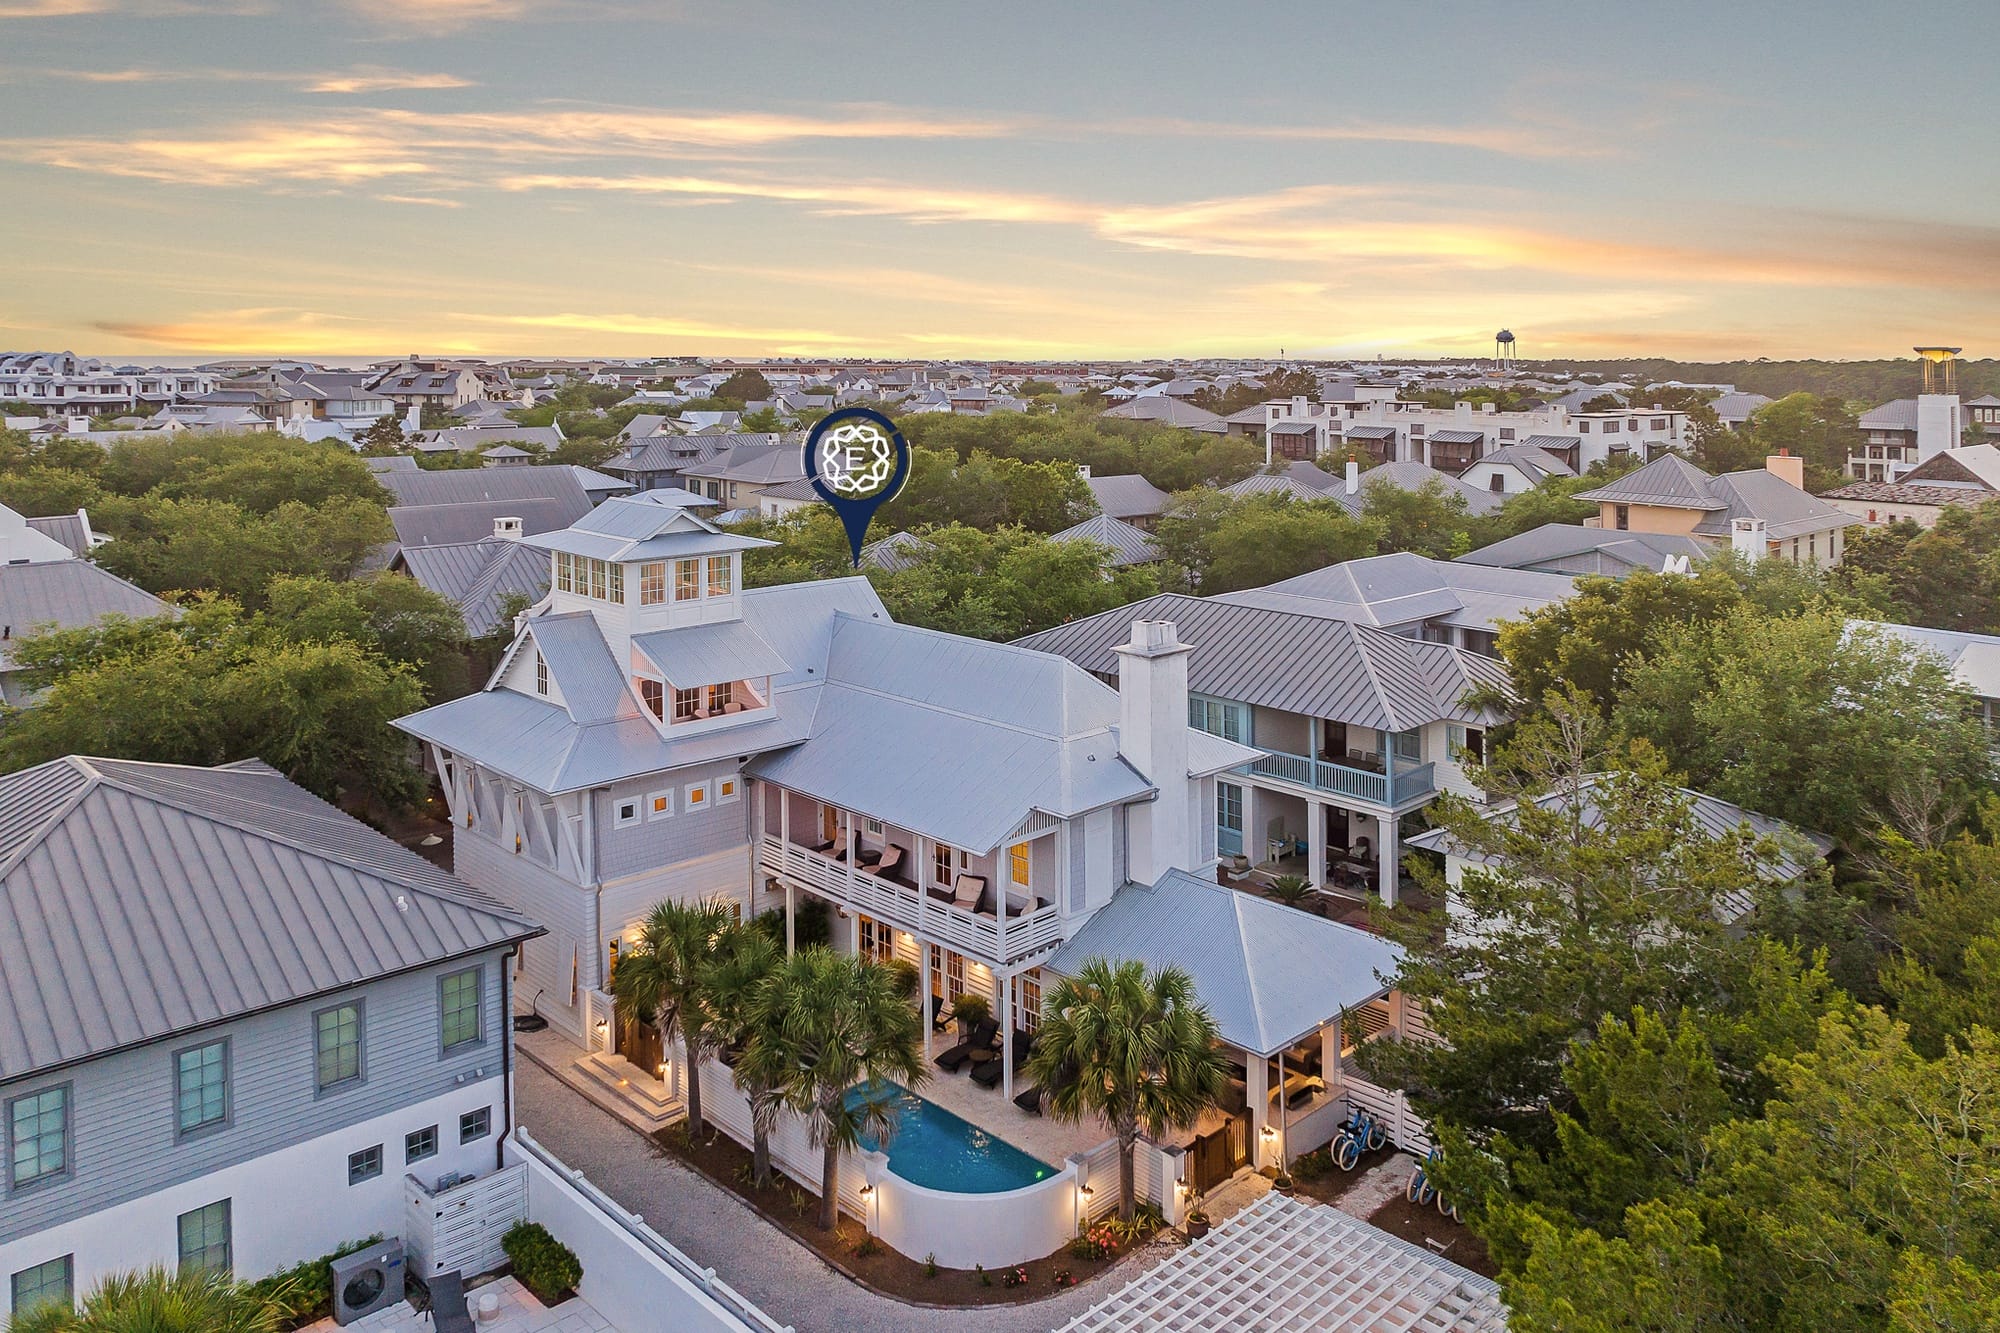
x=1015, y=1277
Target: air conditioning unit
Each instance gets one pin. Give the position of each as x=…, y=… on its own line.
x=367, y=1280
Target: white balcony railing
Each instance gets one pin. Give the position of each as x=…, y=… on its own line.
x=973, y=934
x=1341, y=780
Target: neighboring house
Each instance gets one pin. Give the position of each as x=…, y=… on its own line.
x=46, y=584
x=85, y=386
x=302, y=1013
x=1170, y=411
x=1758, y=513
x=1569, y=548
x=787, y=497
x=1974, y=661
x=1733, y=409
x=464, y=504
x=1955, y=479
x=659, y=732
x=1370, y=421
x=1129, y=545
x=660, y=459
x=478, y=577
x=897, y=551
x=737, y=476
x=1129, y=496
x=430, y=385
x=1513, y=468
x=1353, y=679
x=72, y=530
x=1304, y=481
x=479, y=439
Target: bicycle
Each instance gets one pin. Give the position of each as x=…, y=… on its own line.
x=1422, y=1190
x=1359, y=1133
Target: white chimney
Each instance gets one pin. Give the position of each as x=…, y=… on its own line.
x=413, y=420
x=1153, y=738
x=1353, y=477
x=1082, y=469
x=508, y=529
x=1747, y=538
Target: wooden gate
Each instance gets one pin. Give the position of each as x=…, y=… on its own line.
x=1214, y=1158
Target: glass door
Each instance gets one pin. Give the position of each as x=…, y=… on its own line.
x=1229, y=818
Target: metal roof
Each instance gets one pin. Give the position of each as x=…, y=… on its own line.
x=710, y=654
x=478, y=576
x=592, y=686
x=458, y=524
x=1588, y=550
x=1129, y=545
x=220, y=891
x=1316, y=665
x=1534, y=462
x=1365, y=432
x=1786, y=510
x=1268, y=974
x=1974, y=659
x=1127, y=495
x=1403, y=588
x=69, y=529
x=66, y=594
x=1457, y=437
x=1668, y=480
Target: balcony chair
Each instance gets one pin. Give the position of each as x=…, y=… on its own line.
x=889, y=862
x=987, y=1075
x=966, y=891
x=960, y=1055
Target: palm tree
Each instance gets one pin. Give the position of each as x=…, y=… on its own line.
x=664, y=980
x=156, y=1301
x=823, y=1023
x=1133, y=1047
x=744, y=966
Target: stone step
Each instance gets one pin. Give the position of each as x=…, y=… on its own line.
x=625, y=1090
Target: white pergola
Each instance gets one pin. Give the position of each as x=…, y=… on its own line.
x=1282, y=1266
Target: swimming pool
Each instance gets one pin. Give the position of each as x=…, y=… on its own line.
x=934, y=1148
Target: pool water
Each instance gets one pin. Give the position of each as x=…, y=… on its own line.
x=934, y=1148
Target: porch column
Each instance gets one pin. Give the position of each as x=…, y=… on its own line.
x=791, y=914
x=853, y=845
x=924, y=995
x=1316, y=841
x=1257, y=1091
x=1001, y=884
x=1329, y=1055
x=854, y=932
x=1006, y=989
x=1391, y=855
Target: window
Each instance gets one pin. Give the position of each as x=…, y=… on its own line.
x=337, y=1045
x=615, y=574
x=687, y=580
x=687, y=705
x=201, y=1086
x=204, y=1239
x=659, y=805
x=420, y=1144
x=653, y=694
x=541, y=674
x=38, y=1136
x=877, y=940
x=475, y=1124
x=1496, y=482
x=565, y=572
x=1017, y=863
x=1469, y=740
x=1621, y=517
x=1583, y=428
x=626, y=814
x=1219, y=718
x=720, y=581
x=720, y=697
x=597, y=579
x=1031, y=1001
x=459, y=994
x=728, y=789
x=954, y=975
x=1659, y=423
x=52, y=1283
x=1229, y=817
x=941, y=864
x=1482, y=641
x=1409, y=745
x=1506, y=432
x=695, y=797
x=364, y=1165
x=653, y=583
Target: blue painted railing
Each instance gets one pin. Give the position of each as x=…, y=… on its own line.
x=1340, y=780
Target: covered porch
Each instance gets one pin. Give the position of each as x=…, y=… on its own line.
x=1348, y=849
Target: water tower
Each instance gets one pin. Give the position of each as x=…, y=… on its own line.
x=1505, y=353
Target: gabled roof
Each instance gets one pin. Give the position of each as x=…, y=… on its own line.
x=1669, y=481
x=898, y=550
x=72, y=530
x=1896, y=414
x=1570, y=548
x=754, y=464
x=1403, y=588
x=1173, y=411
x=1268, y=974
x=221, y=892
x=67, y=594
x=1316, y=665
x=478, y=576
x=1128, y=495
x=1786, y=510
x=1531, y=461
x=1129, y=545
x=1978, y=463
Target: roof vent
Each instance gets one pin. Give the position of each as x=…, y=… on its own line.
x=507, y=528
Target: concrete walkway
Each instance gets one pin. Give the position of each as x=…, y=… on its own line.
x=715, y=1228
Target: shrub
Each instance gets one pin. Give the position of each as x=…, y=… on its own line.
x=1313, y=1165
x=1063, y=1278
x=1291, y=890
x=867, y=1246
x=544, y=1265
x=971, y=1009
x=304, y=1292
x=930, y=1264
x=1015, y=1277
x=1099, y=1242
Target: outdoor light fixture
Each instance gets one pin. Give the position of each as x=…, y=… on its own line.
x=1269, y=1132
x=867, y=1190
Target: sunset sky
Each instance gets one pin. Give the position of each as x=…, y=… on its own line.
x=569, y=177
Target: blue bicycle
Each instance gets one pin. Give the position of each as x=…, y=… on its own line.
x=1359, y=1133
x=1423, y=1189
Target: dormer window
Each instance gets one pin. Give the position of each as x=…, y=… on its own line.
x=687, y=705
x=719, y=697
x=541, y=674
x=653, y=694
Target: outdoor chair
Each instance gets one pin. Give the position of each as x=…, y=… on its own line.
x=890, y=861
x=940, y=1019
x=957, y=1057
x=967, y=890
x=448, y=1311
x=988, y=1074
x=1030, y=1100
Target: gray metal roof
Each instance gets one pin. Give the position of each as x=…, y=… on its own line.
x=1531, y=460
x=1552, y=442
x=1786, y=510
x=1173, y=411
x=69, y=529
x=1268, y=974
x=1316, y=665
x=457, y=524
x=1404, y=588
x=1266, y=483
x=753, y=464
x=220, y=892
x=1457, y=437
x=629, y=528
x=391, y=463
x=1569, y=548
x=1128, y=495
x=727, y=650
x=1974, y=659
x=1367, y=432
x=1897, y=414
x=478, y=576
x=1129, y=545
x=66, y=594
x=459, y=505
x=1668, y=480
x=898, y=550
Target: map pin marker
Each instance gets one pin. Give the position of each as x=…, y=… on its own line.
x=857, y=460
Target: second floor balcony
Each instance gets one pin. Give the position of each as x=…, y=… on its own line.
x=1381, y=783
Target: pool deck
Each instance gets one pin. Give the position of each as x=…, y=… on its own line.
x=1051, y=1141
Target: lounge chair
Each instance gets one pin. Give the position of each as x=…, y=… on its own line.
x=987, y=1075
x=891, y=861
x=1030, y=1100
x=960, y=1055
x=448, y=1312
x=966, y=891
x=940, y=1016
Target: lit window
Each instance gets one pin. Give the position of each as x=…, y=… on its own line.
x=1031, y=1001
x=541, y=674
x=616, y=575
x=660, y=805
x=52, y=1283
x=653, y=583
x=720, y=582
x=695, y=795
x=201, y=1086
x=364, y=1165
x=337, y=1045
x=475, y=1124
x=38, y=1136
x=204, y=1239
x=687, y=705
x=725, y=790
x=1017, y=863
x=941, y=867
x=597, y=574
x=565, y=575
x=654, y=695
x=458, y=1006
x=687, y=580
x=419, y=1144
x=719, y=697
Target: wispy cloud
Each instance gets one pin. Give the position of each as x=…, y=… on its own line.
x=362, y=79
x=384, y=80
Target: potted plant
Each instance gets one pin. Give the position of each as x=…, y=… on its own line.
x=1282, y=1184
x=970, y=1010
x=1197, y=1223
